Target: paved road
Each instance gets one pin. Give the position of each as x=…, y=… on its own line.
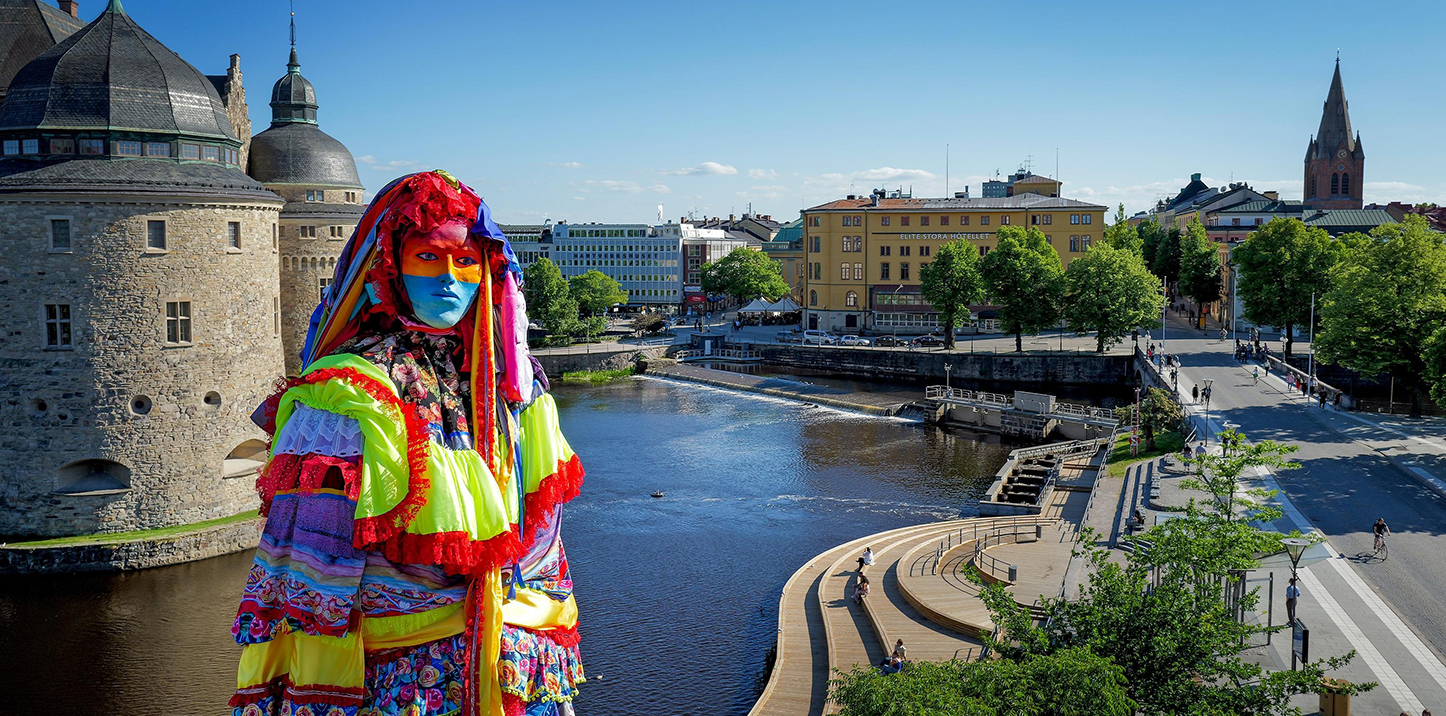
x=1342, y=486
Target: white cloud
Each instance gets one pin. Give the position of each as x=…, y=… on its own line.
x=624, y=187
x=704, y=169
x=762, y=174
x=892, y=174
x=1385, y=192
x=767, y=191
x=579, y=198
x=374, y=164
x=569, y=165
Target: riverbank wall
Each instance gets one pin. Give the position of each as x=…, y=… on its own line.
x=141, y=553
x=779, y=388
x=556, y=361
x=1022, y=368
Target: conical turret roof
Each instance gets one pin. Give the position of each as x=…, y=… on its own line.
x=1335, y=120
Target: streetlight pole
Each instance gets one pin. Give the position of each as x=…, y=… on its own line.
x=1295, y=547
x=947, y=367
x=1311, y=370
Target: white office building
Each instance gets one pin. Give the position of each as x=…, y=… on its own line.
x=643, y=259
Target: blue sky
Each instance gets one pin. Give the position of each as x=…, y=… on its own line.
x=603, y=111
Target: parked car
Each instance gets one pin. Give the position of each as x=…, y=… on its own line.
x=820, y=338
x=891, y=341
x=930, y=340
x=853, y=341
x=788, y=337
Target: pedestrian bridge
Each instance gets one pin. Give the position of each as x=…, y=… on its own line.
x=1033, y=415
x=722, y=355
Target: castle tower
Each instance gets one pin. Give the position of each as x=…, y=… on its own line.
x=138, y=295
x=1335, y=162
x=316, y=175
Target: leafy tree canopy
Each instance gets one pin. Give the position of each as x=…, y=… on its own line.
x=745, y=274
x=1166, y=261
x=595, y=292
x=1201, y=272
x=548, y=299
x=1110, y=292
x=1122, y=235
x=951, y=283
x=1023, y=276
x=1152, y=236
x=1281, y=265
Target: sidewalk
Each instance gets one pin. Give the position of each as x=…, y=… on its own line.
x=1341, y=609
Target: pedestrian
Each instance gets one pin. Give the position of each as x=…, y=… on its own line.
x=866, y=559
x=861, y=590
x=1195, y=393
x=1292, y=595
x=1320, y=395
x=900, y=652
x=1200, y=450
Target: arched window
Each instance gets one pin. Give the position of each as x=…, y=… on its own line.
x=813, y=298
x=94, y=475
x=1335, y=184
x=1312, y=187
x=851, y=299
x=1346, y=184
x=245, y=459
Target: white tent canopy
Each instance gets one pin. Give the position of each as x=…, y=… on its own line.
x=784, y=305
x=757, y=306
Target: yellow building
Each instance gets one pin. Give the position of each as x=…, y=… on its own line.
x=863, y=253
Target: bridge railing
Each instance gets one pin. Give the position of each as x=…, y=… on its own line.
x=939, y=392
x=720, y=353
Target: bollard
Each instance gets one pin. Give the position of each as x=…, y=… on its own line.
x=1039, y=532
x=1013, y=573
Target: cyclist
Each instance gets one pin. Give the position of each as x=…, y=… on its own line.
x=1382, y=531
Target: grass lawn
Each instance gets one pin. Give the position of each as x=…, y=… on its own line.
x=1120, y=457
x=109, y=537
x=597, y=376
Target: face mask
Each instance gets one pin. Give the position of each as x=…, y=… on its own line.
x=441, y=272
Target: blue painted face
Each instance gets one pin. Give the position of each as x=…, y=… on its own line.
x=441, y=272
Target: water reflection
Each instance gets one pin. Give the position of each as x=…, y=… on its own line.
x=678, y=595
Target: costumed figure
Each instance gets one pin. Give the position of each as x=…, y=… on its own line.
x=412, y=562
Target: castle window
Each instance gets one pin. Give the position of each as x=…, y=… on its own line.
x=233, y=235
x=60, y=236
x=57, y=325
x=211, y=154
x=307, y=232
x=158, y=149
x=1335, y=184
x=12, y=147
x=233, y=156
x=1346, y=184
x=30, y=146
x=245, y=459
x=190, y=151
x=178, y=323
x=88, y=476
x=322, y=283
x=128, y=148
x=92, y=147
x=275, y=235
x=62, y=145
x=276, y=315
x=156, y=235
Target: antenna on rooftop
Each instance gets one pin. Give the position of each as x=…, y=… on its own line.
x=946, y=170
x=293, y=24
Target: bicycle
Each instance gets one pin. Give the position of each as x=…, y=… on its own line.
x=1381, y=549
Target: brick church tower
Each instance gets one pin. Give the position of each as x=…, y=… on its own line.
x=1334, y=162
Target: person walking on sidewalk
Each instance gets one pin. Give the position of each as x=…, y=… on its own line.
x=1256, y=373
x=1292, y=595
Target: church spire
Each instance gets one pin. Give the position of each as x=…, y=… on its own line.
x=1335, y=120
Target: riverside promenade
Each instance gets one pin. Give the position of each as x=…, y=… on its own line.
x=919, y=592
x=1354, y=468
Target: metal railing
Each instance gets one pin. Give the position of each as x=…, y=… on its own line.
x=1104, y=466
x=719, y=354
x=973, y=533
x=939, y=392
x=1084, y=411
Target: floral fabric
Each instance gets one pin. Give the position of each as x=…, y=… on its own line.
x=426, y=369
x=537, y=669
x=423, y=680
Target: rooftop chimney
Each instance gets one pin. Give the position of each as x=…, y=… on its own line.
x=70, y=6
x=1271, y=195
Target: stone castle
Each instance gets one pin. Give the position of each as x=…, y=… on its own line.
x=160, y=268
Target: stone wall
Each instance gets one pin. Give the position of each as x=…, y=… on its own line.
x=559, y=362
x=134, y=554
x=122, y=430
x=305, y=261
x=1023, y=369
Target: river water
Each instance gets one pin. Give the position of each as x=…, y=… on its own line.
x=678, y=595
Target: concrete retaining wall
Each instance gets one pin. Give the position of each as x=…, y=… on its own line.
x=1025, y=368
x=135, y=554
x=557, y=363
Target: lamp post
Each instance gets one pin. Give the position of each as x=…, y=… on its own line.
x=947, y=367
x=1206, y=394
x=1295, y=547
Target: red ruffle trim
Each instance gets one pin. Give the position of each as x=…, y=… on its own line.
x=280, y=473
x=554, y=490
x=305, y=694
x=455, y=552
x=513, y=705
x=306, y=473
x=565, y=638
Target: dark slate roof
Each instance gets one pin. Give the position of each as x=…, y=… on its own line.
x=1264, y=206
x=28, y=28
x=138, y=176
x=1347, y=219
x=301, y=154
x=293, y=92
x=322, y=211
x=1335, y=120
x=112, y=74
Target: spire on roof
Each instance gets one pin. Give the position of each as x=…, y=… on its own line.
x=1335, y=119
x=115, y=6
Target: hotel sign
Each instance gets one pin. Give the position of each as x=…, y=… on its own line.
x=977, y=236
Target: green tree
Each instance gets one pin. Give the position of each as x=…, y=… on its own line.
x=745, y=274
x=1201, y=273
x=1167, y=616
x=1023, y=276
x=595, y=291
x=1387, y=297
x=1152, y=236
x=548, y=298
x=951, y=283
x=1122, y=235
x=1070, y=682
x=1281, y=265
x=1166, y=262
x=1158, y=413
x=1110, y=292
x=1435, y=357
